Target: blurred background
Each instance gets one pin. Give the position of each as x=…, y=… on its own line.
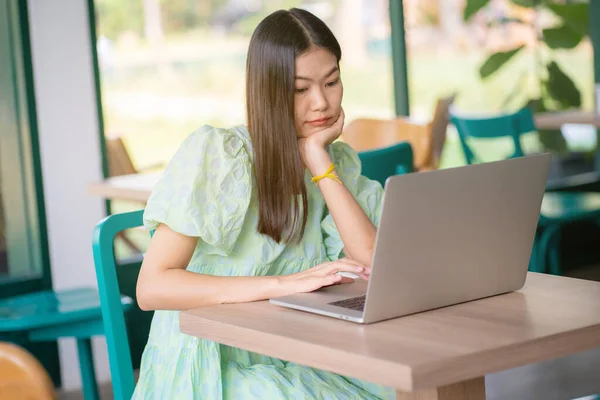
x=97, y=95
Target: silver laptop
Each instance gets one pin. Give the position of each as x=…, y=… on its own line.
x=445, y=237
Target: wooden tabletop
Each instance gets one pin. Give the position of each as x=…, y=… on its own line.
x=554, y=120
x=136, y=187
x=549, y=318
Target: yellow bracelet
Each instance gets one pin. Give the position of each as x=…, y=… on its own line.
x=327, y=174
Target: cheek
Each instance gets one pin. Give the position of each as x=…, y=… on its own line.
x=299, y=106
x=335, y=100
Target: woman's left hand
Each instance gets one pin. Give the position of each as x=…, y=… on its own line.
x=312, y=148
x=326, y=136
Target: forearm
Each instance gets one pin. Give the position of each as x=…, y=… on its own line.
x=356, y=230
x=179, y=289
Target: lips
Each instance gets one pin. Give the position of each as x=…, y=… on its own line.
x=319, y=122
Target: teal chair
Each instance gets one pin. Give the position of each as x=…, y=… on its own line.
x=379, y=164
x=558, y=208
x=51, y=315
x=119, y=356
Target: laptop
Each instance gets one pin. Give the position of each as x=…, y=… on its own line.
x=445, y=237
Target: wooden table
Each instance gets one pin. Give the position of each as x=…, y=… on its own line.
x=555, y=120
x=440, y=354
x=136, y=187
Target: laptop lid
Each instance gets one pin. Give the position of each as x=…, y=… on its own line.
x=455, y=235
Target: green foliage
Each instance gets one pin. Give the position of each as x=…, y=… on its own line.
x=557, y=91
x=497, y=60
x=472, y=7
x=114, y=17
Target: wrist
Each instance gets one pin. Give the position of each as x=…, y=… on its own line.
x=280, y=286
x=318, y=161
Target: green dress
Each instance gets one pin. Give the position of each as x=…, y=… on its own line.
x=207, y=192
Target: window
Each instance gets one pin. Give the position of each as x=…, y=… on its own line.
x=23, y=259
x=169, y=67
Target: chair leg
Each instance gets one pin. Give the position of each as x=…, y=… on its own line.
x=534, y=259
x=86, y=365
x=544, y=256
x=555, y=254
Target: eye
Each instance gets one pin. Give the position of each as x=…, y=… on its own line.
x=301, y=90
x=333, y=83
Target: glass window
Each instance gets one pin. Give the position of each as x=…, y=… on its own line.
x=20, y=244
x=169, y=67
x=446, y=55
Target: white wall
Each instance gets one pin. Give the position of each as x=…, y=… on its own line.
x=70, y=153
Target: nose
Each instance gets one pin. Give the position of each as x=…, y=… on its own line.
x=319, y=101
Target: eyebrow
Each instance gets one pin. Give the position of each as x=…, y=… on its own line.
x=326, y=76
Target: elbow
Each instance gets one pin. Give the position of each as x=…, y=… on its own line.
x=144, y=295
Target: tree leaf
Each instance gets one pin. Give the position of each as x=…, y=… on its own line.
x=574, y=15
x=497, y=60
x=472, y=7
x=561, y=37
x=561, y=87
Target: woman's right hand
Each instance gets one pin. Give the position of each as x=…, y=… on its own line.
x=323, y=275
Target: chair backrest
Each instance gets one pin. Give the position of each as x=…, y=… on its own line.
x=439, y=126
x=379, y=164
x=370, y=134
x=119, y=356
x=119, y=161
x=22, y=376
x=505, y=125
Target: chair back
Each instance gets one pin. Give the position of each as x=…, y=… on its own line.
x=379, y=164
x=505, y=125
x=370, y=134
x=439, y=126
x=119, y=160
x=119, y=356
x=22, y=376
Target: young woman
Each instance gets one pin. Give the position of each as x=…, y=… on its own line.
x=246, y=214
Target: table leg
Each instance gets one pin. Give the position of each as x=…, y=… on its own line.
x=473, y=389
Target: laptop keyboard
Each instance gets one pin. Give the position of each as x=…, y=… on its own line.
x=353, y=303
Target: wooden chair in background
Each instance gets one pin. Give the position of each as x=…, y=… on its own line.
x=426, y=139
x=439, y=126
x=120, y=163
x=119, y=159
x=22, y=376
x=370, y=134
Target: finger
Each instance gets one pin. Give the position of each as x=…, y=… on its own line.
x=340, y=280
x=338, y=266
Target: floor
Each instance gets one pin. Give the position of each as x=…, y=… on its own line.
x=575, y=376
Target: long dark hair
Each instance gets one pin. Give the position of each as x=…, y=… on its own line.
x=270, y=70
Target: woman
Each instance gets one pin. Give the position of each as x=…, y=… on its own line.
x=237, y=219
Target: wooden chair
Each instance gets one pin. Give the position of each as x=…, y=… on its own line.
x=22, y=376
x=439, y=125
x=426, y=139
x=120, y=163
x=370, y=134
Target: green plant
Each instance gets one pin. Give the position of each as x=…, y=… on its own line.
x=554, y=89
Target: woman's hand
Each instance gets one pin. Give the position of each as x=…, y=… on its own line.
x=323, y=275
x=312, y=149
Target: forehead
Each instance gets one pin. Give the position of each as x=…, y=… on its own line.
x=315, y=63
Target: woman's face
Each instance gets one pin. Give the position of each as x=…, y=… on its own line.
x=318, y=91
